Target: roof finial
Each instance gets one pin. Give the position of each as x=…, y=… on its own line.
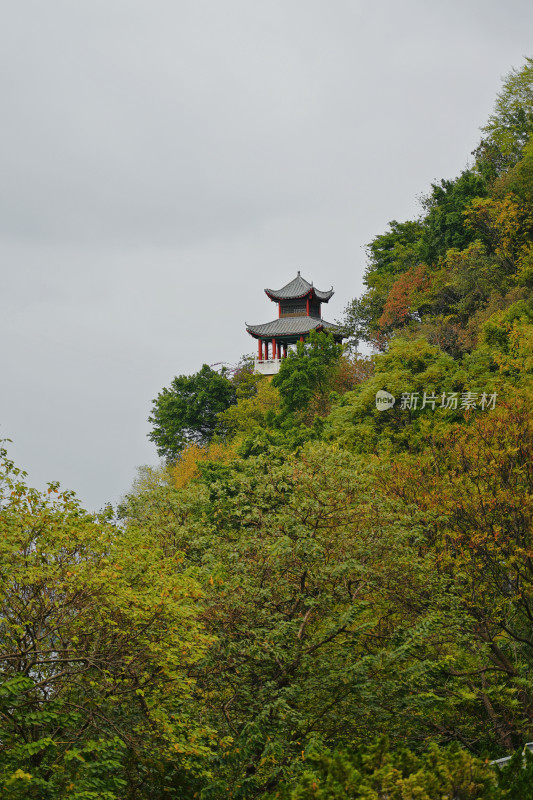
x=298, y=273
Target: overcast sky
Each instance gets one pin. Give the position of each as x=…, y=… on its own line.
x=164, y=161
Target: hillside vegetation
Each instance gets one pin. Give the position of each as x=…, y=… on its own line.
x=314, y=598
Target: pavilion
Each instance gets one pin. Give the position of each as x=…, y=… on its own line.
x=299, y=313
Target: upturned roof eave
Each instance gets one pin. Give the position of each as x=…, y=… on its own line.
x=298, y=289
x=273, y=295
x=287, y=327
x=312, y=294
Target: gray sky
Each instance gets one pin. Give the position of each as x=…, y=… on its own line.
x=164, y=161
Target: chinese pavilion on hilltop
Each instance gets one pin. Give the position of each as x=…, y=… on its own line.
x=299, y=313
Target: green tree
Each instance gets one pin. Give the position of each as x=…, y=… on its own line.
x=306, y=375
x=409, y=368
x=376, y=773
x=444, y=223
x=476, y=480
x=187, y=411
x=389, y=255
x=287, y=551
x=291, y=601
x=510, y=126
x=251, y=411
x=98, y=634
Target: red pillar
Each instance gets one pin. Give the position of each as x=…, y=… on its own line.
x=274, y=353
x=307, y=306
x=266, y=350
x=302, y=338
x=260, y=349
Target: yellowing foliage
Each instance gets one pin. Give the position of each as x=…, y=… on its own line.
x=506, y=224
x=187, y=466
x=250, y=412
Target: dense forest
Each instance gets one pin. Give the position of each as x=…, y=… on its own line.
x=315, y=597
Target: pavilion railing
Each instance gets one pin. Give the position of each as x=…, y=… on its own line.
x=267, y=366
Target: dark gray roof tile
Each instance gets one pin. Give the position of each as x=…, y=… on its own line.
x=298, y=287
x=291, y=326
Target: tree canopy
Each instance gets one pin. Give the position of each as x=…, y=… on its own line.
x=99, y=633
x=318, y=596
x=188, y=410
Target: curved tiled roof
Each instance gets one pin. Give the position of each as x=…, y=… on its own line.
x=290, y=326
x=298, y=288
